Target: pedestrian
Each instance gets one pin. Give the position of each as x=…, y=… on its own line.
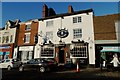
x=102, y=63
x=115, y=62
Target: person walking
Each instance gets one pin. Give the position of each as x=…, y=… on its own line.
x=115, y=62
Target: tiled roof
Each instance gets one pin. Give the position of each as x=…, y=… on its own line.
x=104, y=27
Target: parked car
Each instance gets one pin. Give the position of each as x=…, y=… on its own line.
x=10, y=63
x=39, y=64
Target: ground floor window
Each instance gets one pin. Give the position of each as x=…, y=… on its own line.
x=79, y=51
x=4, y=55
x=108, y=56
x=47, y=52
x=26, y=55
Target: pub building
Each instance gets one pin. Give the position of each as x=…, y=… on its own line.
x=66, y=37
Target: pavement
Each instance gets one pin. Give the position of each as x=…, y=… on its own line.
x=96, y=71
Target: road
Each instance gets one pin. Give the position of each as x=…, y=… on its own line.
x=92, y=74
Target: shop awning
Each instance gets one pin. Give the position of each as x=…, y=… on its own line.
x=110, y=49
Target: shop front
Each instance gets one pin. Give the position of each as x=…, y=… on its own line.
x=61, y=53
x=108, y=51
x=67, y=53
x=25, y=53
x=47, y=51
x=6, y=51
x=79, y=53
x=73, y=52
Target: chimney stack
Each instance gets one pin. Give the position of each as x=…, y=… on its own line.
x=51, y=12
x=70, y=9
x=45, y=11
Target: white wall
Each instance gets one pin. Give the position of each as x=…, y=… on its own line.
x=117, y=27
x=8, y=32
x=15, y=53
x=37, y=51
x=67, y=22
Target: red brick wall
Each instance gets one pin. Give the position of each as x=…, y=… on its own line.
x=11, y=50
x=34, y=31
x=21, y=33
x=8, y=49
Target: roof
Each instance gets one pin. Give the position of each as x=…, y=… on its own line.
x=67, y=14
x=104, y=27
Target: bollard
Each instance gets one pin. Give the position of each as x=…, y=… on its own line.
x=78, y=69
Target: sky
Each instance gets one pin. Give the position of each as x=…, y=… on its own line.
x=33, y=10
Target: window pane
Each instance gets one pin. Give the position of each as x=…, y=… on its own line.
x=26, y=38
x=79, y=51
x=0, y=40
x=28, y=27
x=7, y=39
x=49, y=23
x=74, y=19
x=11, y=38
x=47, y=52
x=77, y=33
x=3, y=39
x=79, y=19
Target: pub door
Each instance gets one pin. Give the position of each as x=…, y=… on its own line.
x=61, y=55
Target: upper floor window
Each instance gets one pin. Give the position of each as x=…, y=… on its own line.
x=27, y=38
x=49, y=35
x=5, y=39
x=28, y=27
x=11, y=38
x=0, y=40
x=49, y=23
x=77, y=19
x=77, y=33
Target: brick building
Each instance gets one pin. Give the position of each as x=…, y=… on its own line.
x=26, y=40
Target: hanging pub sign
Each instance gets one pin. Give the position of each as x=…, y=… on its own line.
x=62, y=33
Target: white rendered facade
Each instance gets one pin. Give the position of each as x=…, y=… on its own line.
x=67, y=23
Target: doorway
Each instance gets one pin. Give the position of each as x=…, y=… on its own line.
x=61, y=55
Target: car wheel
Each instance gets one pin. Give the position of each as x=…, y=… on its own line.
x=21, y=68
x=9, y=67
x=42, y=69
